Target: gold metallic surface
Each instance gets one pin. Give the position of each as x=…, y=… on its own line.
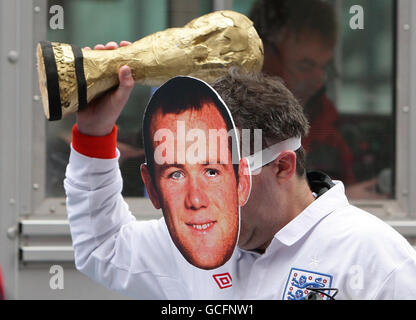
x=204, y=48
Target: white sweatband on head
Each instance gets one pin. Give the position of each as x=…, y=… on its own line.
x=265, y=156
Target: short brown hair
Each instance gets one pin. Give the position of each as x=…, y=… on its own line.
x=259, y=101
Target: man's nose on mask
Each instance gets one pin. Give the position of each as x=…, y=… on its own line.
x=196, y=197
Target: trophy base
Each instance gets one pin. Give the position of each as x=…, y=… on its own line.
x=48, y=81
x=62, y=81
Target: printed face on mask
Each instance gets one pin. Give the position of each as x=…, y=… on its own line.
x=195, y=182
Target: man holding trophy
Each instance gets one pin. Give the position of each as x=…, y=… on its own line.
x=298, y=238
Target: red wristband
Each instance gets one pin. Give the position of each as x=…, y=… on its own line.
x=102, y=147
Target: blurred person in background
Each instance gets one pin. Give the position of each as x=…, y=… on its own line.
x=299, y=38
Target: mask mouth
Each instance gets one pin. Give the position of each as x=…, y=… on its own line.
x=202, y=226
x=265, y=156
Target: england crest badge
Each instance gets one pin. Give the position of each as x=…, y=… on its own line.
x=300, y=280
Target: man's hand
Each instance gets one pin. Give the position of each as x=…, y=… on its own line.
x=101, y=114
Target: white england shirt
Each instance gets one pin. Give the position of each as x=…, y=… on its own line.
x=331, y=244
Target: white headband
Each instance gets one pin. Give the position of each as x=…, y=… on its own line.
x=265, y=156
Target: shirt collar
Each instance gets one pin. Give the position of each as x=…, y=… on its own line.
x=331, y=200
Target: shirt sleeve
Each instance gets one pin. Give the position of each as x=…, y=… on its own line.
x=135, y=258
x=399, y=283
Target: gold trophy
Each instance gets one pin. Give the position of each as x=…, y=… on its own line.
x=70, y=77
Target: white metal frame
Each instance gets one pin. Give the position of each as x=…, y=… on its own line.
x=16, y=147
x=222, y=5
x=405, y=108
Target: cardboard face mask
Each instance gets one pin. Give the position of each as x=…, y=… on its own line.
x=194, y=172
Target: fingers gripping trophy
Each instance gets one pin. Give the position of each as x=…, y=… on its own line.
x=70, y=77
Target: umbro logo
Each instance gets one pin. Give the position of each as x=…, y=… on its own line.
x=223, y=280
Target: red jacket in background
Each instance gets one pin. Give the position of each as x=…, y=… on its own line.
x=325, y=146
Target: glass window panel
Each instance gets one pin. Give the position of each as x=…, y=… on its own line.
x=359, y=86
x=366, y=97
x=90, y=22
x=352, y=116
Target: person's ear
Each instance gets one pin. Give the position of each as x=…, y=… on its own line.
x=148, y=182
x=284, y=167
x=244, y=182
